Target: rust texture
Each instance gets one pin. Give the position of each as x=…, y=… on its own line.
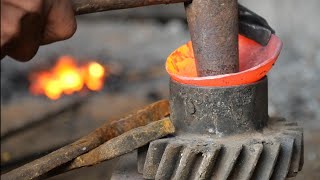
x=91, y=6
x=124, y=143
x=213, y=26
x=221, y=111
x=109, y=130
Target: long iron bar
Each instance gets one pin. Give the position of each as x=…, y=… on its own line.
x=91, y=6
x=125, y=143
x=213, y=26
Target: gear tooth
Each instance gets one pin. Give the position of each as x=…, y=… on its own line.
x=284, y=158
x=274, y=153
x=153, y=158
x=225, y=161
x=188, y=156
x=209, y=157
x=302, y=152
x=168, y=162
x=268, y=158
x=247, y=162
x=296, y=153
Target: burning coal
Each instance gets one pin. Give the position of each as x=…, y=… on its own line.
x=67, y=77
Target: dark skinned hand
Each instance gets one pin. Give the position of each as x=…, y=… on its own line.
x=28, y=24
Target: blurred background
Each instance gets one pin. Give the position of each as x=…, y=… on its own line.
x=132, y=46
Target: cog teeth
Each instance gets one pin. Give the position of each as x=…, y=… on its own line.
x=247, y=161
x=226, y=159
x=168, y=162
x=154, y=155
x=297, y=156
x=142, y=153
x=277, y=155
x=302, y=153
x=188, y=156
x=267, y=161
x=283, y=163
x=207, y=162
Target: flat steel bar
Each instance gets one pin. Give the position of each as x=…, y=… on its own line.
x=213, y=26
x=92, y=6
x=125, y=143
x=109, y=130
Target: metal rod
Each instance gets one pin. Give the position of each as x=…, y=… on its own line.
x=213, y=26
x=109, y=130
x=91, y=6
x=125, y=143
x=17, y=162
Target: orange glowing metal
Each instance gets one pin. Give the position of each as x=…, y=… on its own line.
x=66, y=77
x=255, y=61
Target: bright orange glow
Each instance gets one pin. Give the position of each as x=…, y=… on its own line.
x=255, y=61
x=66, y=77
x=96, y=70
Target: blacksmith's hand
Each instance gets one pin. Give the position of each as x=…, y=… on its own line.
x=28, y=24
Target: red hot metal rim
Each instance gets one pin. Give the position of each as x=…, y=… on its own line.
x=255, y=62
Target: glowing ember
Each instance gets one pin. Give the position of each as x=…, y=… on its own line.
x=66, y=77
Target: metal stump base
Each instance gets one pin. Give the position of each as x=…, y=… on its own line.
x=223, y=133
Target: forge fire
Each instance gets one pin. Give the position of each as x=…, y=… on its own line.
x=67, y=77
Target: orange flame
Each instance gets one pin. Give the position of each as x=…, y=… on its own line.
x=66, y=77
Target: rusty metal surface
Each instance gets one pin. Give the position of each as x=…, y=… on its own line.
x=106, y=132
x=219, y=110
x=275, y=153
x=213, y=27
x=91, y=6
x=123, y=144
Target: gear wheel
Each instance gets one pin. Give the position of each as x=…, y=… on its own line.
x=274, y=153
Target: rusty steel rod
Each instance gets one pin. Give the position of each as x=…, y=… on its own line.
x=92, y=6
x=109, y=130
x=213, y=26
x=125, y=143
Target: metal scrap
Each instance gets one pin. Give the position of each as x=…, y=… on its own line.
x=109, y=130
x=122, y=144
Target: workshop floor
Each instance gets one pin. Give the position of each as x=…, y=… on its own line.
x=139, y=43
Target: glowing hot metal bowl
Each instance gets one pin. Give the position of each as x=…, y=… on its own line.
x=255, y=61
